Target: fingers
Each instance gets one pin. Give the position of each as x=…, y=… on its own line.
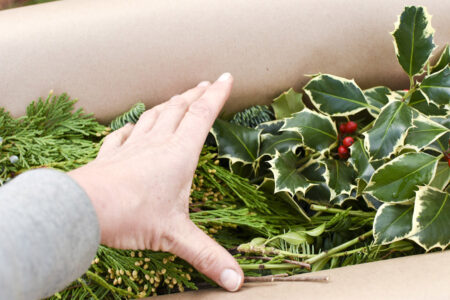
x=174, y=110
x=116, y=139
x=199, y=118
x=208, y=257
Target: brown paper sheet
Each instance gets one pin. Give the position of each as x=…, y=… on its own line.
x=112, y=53
x=420, y=277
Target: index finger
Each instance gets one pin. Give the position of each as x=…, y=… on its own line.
x=199, y=118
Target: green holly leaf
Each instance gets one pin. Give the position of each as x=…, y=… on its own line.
x=393, y=222
x=431, y=218
x=268, y=185
x=336, y=96
x=413, y=39
x=389, y=130
x=318, y=131
x=235, y=142
x=360, y=160
x=284, y=142
x=424, y=132
x=272, y=127
x=419, y=102
x=440, y=145
x=436, y=87
x=287, y=104
x=444, y=60
x=397, y=180
x=319, y=193
x=441, y=177
x=288, y=177
x=378, y=97
x=340, y=177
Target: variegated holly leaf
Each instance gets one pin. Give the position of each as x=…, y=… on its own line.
x=318, y=131
x=341, y=198
x=340, y=177
x=440, y=145
x=398, y=180
x=360, y=160
x=288, y=177
x=371, y=201
x=378, y=97
x=268, y=185
x=389, y=130
x=413, y=39
x=441, y=177
x=424, y=132
x=284, y=142
x=419, y=102
x=336, y=96
x=444, y=60
x=272, y=127
x=319, y=193
x=436, y=87
x=431, y=218
x=287, y=104
x=392, y=222
x=235, y=142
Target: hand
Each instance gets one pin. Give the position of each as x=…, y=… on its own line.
x=140, y=182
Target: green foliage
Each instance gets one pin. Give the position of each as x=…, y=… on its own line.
x=253, y=116
x=131, y=116
x=51, y=134
x=399, y=152
x=287, y=104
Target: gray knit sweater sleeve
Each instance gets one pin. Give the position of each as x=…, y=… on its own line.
x=49, y=234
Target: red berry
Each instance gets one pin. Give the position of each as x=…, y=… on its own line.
x=351, y=126
x=406, y=90
x=342, y=150
x=343, y=128
x=348, y=141
x=448, y=160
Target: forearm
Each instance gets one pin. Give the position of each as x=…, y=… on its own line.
x=112, y=53
x=48, y=234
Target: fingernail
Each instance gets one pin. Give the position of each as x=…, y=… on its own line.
x=204, y=83
x=230, y=280
x=224, y=77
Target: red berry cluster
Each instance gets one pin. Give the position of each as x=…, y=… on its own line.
x=346, y=128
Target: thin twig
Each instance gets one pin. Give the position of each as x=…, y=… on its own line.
x=272, y=278
x=288, y=261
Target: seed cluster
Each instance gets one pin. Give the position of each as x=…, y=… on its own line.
x=346, y=128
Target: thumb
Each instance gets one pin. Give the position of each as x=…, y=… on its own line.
x=208, y=257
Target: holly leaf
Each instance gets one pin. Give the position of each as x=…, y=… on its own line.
x=393, y=222
x=397, y=180
x=272, y=127
x=287, y=104
x=288, y=177
x=441, y=177
x=440, y=145
x=319, y=193
x=436, y=87
x=444, y=60
x=413, y=39
x=339, y=177
x=318, y=131
x=336, y=96
x=235, y=142
x=360, y=160
x=431, y=218
x=377, y=97
x=389, y=130
x=419, y=102
x=268, y=185
x=424, y=132
x=284, y=142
